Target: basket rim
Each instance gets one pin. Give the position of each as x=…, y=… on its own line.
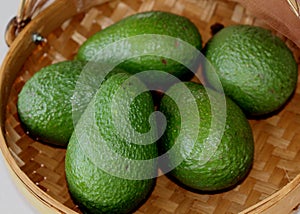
x=24, y=41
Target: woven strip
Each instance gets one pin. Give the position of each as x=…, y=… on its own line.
x=277, y=156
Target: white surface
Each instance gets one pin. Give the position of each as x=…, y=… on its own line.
x=11, y=200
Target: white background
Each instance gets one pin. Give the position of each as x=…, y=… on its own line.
x=11, y=200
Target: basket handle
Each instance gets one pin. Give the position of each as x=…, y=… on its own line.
x=295, y=6
x=29, y=9
x=26, y=11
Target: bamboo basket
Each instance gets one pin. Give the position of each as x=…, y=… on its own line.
x=273, y=185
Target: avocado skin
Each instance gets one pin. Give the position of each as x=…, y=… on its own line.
x=257, y=69
x=44, y=103
x=93, y=188
x=154, y=23
x=229, y=163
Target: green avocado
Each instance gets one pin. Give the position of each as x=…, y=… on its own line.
x=211, y=162
x=52, y=101
x=44, y=103
x=111, y=157
x=153, y=40
x=256, y=68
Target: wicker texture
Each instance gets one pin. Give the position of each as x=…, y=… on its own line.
x=277, y=150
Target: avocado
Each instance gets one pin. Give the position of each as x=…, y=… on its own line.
x=111, y=157
x=222, y=153
x=51, y=102
x=146, y=41
x=44, y=103
x=256, y=68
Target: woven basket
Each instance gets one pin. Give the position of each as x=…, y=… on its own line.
x=273, y=184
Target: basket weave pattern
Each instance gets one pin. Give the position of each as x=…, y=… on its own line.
x=277, y=148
